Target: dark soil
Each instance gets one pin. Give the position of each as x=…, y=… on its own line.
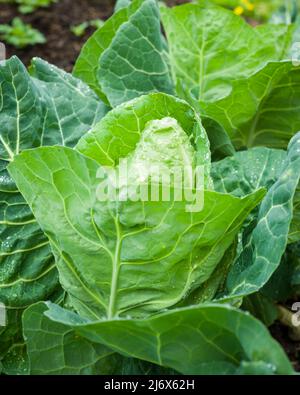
x=62, y=46
x=292, y=348
x=62, y=49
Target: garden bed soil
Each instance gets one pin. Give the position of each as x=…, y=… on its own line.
x=292, y=348
x=62, y=46
x=62, y=49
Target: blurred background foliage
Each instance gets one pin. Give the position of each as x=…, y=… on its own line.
x=263, y=10
x=21, y=34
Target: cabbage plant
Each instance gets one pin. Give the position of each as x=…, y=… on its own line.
x=101, y=276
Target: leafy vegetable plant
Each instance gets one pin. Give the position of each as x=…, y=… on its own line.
x=20, y=34
x=79, y=30
x=28, y=6
x=143, y=286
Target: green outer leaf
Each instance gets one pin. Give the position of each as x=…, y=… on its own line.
x=215, y=284
x=246, y=171
x=204, y=55
x=51, y=108
x=262, y=109
x=27, y=269
x=125, y=58
x=121, y=4
x=134, y=63
x=11, y=338
x=55, y=348
x=87, y=64
x=15, y=361
x=13, y=352
x=262, y=254
x=204, y=339
x=72, y=107
x=136, y=242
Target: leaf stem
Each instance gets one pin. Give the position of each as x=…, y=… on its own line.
x=8, y=150
x=115, y=272
x=285, y=317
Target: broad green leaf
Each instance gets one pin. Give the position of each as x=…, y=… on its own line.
x=15, y=361
x=87, y=64
x=71, y=107
x=220, y=144
x=204, y=339
x=125, y=58
x=214, y=285
x=263, y=250
x=134, y=64
x=210, y=47
x=239, y=175
x=153, y=252
x=128, y=238
x=261, y=109
x=55, y=348
x=121, y=4
x=246, y=171
x=13, y=348
x=50, y=108
x=11, y=334
x=27, y=269
x=243, y=84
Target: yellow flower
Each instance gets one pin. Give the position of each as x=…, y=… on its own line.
x=238, y=10
x=248, y=5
